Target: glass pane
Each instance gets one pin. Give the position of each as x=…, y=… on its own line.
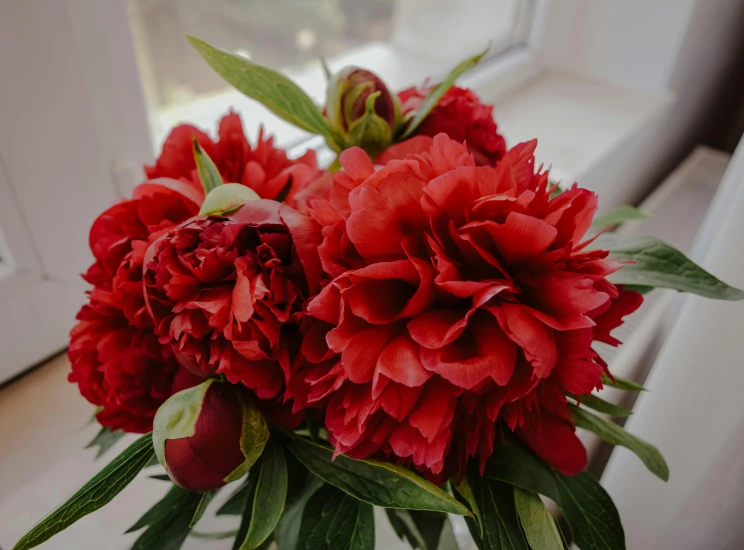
x=404, y=40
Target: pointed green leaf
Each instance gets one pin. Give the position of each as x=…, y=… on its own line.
x=227, y=198
x=590, y=512
x=270, y=496
x=334, y=520
x=538, y=524
x=466, y=492
x=501, y=530
x=288, y=529
x=617, y=216
x=274, y=90
x=600, y=405
x=612, y=433
x=378, y=483
x=422, y=529
x=622, y=384
x=516, y=465
x=234, y=505
x=209, y=175
x=168, y=522
x=245, y=520
x=659, y=265
x=98, y=492
x=438, y=91
x=104, y=440
x=202, y=507
x=220, y=535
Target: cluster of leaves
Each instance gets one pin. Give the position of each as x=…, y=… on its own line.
x=301, y=498
x=288, y=101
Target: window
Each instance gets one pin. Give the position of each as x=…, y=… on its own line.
x=405, y=41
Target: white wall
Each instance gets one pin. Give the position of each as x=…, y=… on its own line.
x=694, y=411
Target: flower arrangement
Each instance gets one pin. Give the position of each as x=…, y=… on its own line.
x=410, y=329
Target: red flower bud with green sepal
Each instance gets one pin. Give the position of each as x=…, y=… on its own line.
x=209, y=435
x=362, y=110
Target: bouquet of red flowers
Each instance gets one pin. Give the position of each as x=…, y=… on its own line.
x=411, y=329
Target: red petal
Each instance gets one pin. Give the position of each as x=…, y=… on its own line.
x=535, y=339
x=400, y=362
x=555, y=441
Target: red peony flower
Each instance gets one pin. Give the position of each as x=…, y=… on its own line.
x=228, y=293
x=116, y=359
x=461, y=116
x=265, y=168
x=463, y=302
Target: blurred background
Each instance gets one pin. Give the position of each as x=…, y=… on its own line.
x=639, y=100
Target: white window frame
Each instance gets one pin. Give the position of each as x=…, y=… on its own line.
x=572, y=44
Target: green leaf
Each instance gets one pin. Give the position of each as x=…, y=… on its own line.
x=203, y=503
x=209, y=175
x=538, y=524
x=95, y=494
x=422, y=529
x=378, y=483
x=234, y=505
x=104, y=440
x=612, y=433
x=168, y=522
x=227, y=198
x=600, y=405
x=287, y=530
x=590, y=512
x=466, y=492
x=438, y=91
x=516, y=465
x=161, y=477
x=333, y=520
x=220, y=535
x=617, y=216
x=270, y=496
x=659, y=265
x=501, y=529
x=274, y=90
x=622, y=384
x=245, y=520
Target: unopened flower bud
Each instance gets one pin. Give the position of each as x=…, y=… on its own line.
x=209, y=435
x=362, y=110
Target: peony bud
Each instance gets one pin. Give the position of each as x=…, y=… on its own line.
x=209, y=435
x=362, y=110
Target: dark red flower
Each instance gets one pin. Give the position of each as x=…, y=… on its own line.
x=461, y=116
x=264, y=168
x=228, y=293
x=463, y=302
x=116, y=359
x=227, y=436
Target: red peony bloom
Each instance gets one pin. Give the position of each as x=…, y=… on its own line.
x=116, y=359
x=461, y=116
x=265, y=168
x=228, y=293
x=463, y=302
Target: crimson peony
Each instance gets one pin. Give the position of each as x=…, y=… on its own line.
x=463, y=302
x=264, y=168
x=228, y=294
x=460, y=115
x=116, y=359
